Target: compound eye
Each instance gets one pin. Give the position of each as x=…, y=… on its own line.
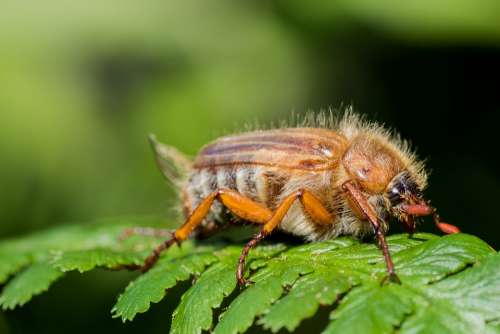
x=394, y=195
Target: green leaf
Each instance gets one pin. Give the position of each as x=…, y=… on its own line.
x=371, y=308
x=449, y=284
x=85, y=260
x=379, y=309
x=71, y=247
x=322, y=286
x=194, y=312
x=344, y=266
x=460, y=304
x=440, y=256
x=32, y=281
x=268, y=286
x=151, y=287
x=11, y=263
x=423, y=259
x=310, y=291
x=194, y=315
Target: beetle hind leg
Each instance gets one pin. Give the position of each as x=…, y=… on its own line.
x=238, y=204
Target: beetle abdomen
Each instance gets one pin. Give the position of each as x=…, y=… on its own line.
x=262, y=184
x=265, y=166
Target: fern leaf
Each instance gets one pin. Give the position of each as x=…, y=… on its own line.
x=44, y=255
x=151, y=287
x=11, y=263
x=463, y=303
x=194, y=312
x=449, y=284
x=319, y=288
x=85, y=260
x=34, y=280
x=355, y=263
x=267, y=287
x=371, y=309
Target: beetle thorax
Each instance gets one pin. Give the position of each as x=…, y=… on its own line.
x=372, y=163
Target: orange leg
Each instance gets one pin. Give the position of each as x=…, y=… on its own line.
x=241, y=206
x=310, y=203
x=358, y=198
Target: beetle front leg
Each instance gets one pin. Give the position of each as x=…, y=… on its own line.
x=351, y=189
x=409, y=225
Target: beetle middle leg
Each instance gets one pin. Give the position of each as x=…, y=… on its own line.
x=311, y=205
x=358, y=198
x=238, y=204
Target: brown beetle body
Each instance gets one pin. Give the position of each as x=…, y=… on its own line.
x=267, y=166
x=317, y=181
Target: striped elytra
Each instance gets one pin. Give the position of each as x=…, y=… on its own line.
x=289, y=148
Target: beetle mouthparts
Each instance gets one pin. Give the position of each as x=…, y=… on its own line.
x=423, y=209
x=444, y=227
x=418, y=210
x=447, y=228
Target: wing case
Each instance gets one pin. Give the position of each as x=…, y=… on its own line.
x=311, y=149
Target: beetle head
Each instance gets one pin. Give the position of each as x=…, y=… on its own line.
x=405, y=201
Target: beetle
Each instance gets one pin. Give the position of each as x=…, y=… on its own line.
x=319, y=179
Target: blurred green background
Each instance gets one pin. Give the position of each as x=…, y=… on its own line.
x=83, y=83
